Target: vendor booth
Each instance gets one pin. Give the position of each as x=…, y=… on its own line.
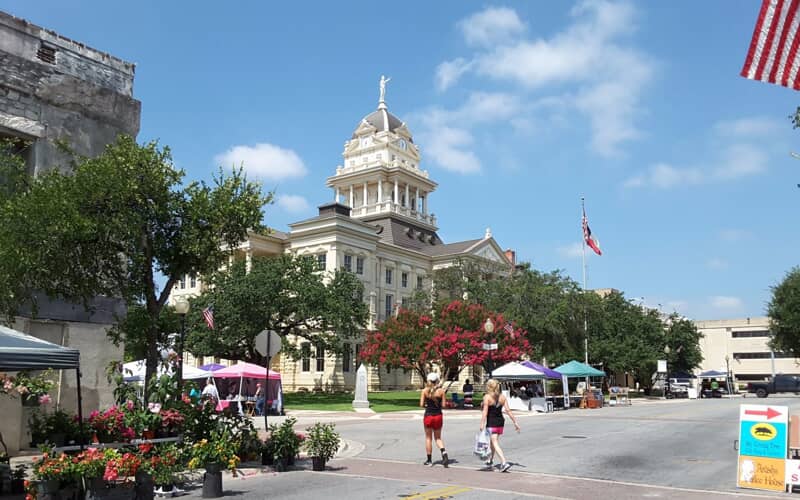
x=523, y=372
x=134, y=371
x=556, y=402
x=709, y=385
x=248, y=376
x=19, y=351
x=576, y=369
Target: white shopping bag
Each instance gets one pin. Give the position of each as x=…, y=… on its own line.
x=482, y=446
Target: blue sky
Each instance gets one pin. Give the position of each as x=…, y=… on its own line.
x=520, y=109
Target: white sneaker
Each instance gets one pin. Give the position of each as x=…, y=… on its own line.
x=504, y=467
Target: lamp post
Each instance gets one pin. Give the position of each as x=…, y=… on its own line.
x=181, y=307
x=490, y=346
x=728, y=377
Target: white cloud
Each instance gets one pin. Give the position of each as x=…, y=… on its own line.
x=725, y=302
x=293, y=203
x=448, y=72
x=587, y=69
x=739, y=160
x=450, y=148
x=734, y=235
x=572, y=251
x=264, y=160
x=750, y=127
x=490, y=26
x=717, y=263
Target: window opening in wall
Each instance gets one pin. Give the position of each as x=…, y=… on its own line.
x=320, y=358
x=346, y=357
x=192, y=280
x=16, y=146
x=46, y=53
x=419, y=282
x=305, y=357
x=405, y=301
x=753, y=333
x=388, y=276
x=348, y=263
x=761, y=355
x=321, y=261
x=183, y=282
x=388, y=306
x=359, y=265
x=404, y=280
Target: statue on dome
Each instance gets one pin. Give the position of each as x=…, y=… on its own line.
x=383, y=83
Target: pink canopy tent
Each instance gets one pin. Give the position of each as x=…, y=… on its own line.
x=246, y=370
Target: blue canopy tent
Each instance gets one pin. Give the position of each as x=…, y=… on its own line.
x=576, y=369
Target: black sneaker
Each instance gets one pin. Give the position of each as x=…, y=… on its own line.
x=428, y=463
x=489, y=463
x=445, y=461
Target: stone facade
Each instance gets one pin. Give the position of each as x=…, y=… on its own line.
x=56, y=90
x=378, y=226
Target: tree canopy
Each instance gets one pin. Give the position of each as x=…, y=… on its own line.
x=115, y=224
x=284, y=293
x=784, y=314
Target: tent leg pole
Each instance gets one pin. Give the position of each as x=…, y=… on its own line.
x=80, y=407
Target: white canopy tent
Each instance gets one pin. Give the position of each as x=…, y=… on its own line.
x=134, y=371
x=514, y=371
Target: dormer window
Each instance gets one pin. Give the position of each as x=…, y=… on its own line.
x=402, y=144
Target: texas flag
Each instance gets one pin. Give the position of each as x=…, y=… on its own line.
x=588, y=238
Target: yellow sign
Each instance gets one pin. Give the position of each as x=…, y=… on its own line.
x=761, y=473
x=763, y=431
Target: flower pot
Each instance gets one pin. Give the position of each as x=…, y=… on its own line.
x=48, y=486
x=147, y=434
x=212, y=481
x=58, y=439
x=144, y=486
x=281, y=464
x=30, y=402
x=17, y=486
x=267, y=458
x=317, y=463
x=290, y=460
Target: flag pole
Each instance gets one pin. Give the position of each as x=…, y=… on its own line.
x=585, y=315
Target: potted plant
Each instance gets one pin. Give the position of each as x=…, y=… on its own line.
x=321, y=444
x=162, y=466
x=285, y=443
x=171, y=422
x=214, y=454
x=53, y=473
x=18, y=479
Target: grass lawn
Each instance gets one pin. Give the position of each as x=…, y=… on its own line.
x=343, y=401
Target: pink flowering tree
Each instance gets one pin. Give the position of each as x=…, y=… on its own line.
x=452, y=340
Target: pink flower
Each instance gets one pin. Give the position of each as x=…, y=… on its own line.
x=22, y=389
x=154, y=407
x=8, y=385
x=129, y=405
x=45, y=399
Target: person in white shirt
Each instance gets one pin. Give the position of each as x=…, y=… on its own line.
x=210, y=391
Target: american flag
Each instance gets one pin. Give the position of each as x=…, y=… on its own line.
x=773, y=56
x=208, y=315
x=587, y=236
x=509, y=329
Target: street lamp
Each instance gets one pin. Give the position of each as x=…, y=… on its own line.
x=728, y=378
x=490, y=346
x=181, y=307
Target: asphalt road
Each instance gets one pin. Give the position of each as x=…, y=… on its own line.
x=664, y=449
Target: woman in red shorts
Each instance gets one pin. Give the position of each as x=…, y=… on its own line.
x=432, y=399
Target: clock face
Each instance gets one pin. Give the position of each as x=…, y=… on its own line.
x=366, y=141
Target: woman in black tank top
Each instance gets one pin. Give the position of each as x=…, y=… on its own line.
x=492, y=419
x=432, y=399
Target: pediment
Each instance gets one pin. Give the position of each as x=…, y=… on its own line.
x=490, y=252
x=364, y=128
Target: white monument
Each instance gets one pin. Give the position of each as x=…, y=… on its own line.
x=361, y=400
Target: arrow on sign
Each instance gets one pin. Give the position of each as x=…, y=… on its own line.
x=769, y=413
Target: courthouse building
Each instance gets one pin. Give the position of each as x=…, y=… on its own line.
x=379, y=225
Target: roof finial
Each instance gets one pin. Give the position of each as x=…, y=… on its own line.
x=488, y=233
x=382, y=100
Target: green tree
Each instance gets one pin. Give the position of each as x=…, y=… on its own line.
x=784, y=314
x=115, y=224
x=284, y=293
x=623, y=336
x=683, y=340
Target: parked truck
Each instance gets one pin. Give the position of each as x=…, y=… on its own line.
x=779, y=383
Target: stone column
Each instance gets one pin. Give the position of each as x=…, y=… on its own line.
x=395, y=192
x=416, y=200
x=364, y=200
x=351, y=196
x=336, y=195
x=424, y=204
x=380, y=190
x=408, y=202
